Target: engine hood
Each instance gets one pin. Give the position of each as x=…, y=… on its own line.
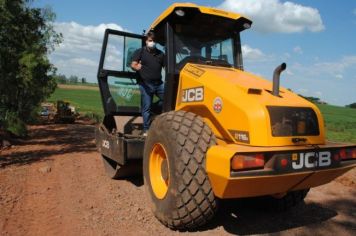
x=240, y=108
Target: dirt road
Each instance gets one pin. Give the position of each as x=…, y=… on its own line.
x=54, y=184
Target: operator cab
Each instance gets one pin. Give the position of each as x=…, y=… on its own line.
x=187, y=33
x=202, y=38
x=200, y=35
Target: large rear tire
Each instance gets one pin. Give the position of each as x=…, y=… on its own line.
x=116, y=171
x=174, y=170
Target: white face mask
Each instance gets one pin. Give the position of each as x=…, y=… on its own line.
x=151, y=44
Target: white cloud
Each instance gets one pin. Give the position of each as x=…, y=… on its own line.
x=310, y=78
x=79, y=52
x=83, y=62
x=298, y=50
x=339, y=69
x=276, y=16
x=336, y=68
x=339, y=76
x=252, y=54
x=318, y=93
x=330, y=80
x=80, y=37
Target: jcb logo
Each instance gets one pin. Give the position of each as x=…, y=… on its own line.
x=311, y=159
x=106, y=144
x=193, y=94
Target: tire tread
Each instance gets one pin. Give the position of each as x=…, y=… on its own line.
x=197, y=203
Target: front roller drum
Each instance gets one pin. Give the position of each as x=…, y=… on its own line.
x=174, y=170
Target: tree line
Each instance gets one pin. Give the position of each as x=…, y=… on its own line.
x=317, y=100
x=27, y=37
x=352, y=105
x=73, y=79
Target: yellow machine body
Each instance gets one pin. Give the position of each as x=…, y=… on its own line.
x=241, y=110
x=234, y=103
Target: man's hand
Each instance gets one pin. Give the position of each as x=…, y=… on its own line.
x=136, y=66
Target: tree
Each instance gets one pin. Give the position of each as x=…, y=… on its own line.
x=312, y=99
x=84, y=80
x=352, y=105
x=73, y=79
x=26, y=75
x=60, y=79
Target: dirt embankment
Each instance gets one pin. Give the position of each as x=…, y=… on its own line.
x=54, y=184
x=78, y=86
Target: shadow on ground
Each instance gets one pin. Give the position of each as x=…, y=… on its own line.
x=245, y=217
x=242, y=217
x=66, y=138
x=249, y=216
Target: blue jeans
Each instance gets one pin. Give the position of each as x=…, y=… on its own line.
x=148, y=90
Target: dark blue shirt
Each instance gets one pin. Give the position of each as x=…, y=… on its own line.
x=152, y=63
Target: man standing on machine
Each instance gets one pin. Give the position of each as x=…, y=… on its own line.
x=148, y=61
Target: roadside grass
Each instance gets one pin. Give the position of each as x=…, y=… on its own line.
x=85, y=101
x=340, y=122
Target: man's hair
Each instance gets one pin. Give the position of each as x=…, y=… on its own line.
x=150, y=35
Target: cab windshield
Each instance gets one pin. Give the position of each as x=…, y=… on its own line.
x=204, y=50
x=207, y=40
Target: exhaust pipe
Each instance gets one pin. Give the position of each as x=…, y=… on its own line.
x=276, y=77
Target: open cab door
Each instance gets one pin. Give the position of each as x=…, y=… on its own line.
x=118, y=137
x=119, y=91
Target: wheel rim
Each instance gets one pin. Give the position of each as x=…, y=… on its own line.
x=159, y=171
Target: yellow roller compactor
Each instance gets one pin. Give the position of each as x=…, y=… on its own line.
x=222, y=132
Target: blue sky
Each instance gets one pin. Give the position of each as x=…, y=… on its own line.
x=315, y=38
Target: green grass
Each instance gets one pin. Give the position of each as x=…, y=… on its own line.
x=84, y=100
x=340, y=122
x=89, y=101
